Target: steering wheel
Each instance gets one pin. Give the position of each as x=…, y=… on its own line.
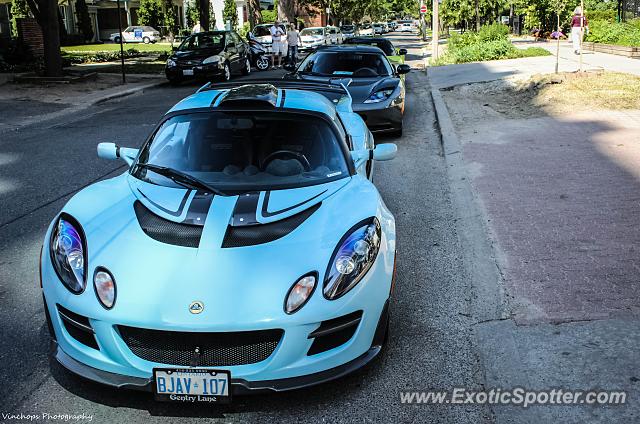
x=365, y=72
x=286, y=153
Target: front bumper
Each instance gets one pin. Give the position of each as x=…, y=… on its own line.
x=199, y=71
x=381, y=117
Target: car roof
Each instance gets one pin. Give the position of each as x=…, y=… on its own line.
x=350, y=47
x=284, y=98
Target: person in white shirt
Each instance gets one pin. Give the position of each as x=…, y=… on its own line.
x=196, y=28
x=277, y=44
x=293, y=41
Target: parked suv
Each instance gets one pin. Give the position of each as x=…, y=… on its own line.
x=137, y=34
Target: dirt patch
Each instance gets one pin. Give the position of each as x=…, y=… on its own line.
x=545, y=95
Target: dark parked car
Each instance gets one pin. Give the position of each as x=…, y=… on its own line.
x=395, y=56
x=209, y=55
x=374, y=83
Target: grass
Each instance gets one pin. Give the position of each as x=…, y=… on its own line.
x=112, y=47
x=531, y=52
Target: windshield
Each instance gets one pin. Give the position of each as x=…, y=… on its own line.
x=311, y=31
x=346, y=63
x=246, y=151
x=347, y=27
x=264, y=30
x=203, y=41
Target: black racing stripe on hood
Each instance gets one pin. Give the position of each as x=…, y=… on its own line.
x=245, y=210
x=166, y=231
x=265, y=205
x=165, y=210
x=251, y=235
x=198, y=209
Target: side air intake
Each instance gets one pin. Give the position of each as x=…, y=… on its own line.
x=252, y=235
x=166, y=231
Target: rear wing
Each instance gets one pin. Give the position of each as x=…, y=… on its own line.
x=335, y=89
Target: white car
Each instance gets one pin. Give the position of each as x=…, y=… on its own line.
x=262, y=34
x=365, y=30
x=334, y=35
x=137, y=34
x=405, y=26
x=314, y=37
x=378, y=28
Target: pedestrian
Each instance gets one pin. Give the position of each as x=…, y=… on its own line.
x=277, y=44
x=293, y=41
x=578, y=26
x=196, y=28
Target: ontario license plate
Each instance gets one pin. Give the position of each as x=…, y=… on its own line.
x=187, y=72
x=192, y=385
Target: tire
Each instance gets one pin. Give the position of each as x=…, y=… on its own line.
x=262, y=63
x=227, y=73
x=246, y=70
x=146, y=40
x=116, y=40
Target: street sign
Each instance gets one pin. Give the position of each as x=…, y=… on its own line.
x=423, y=8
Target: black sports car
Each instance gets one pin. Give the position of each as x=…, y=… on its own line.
x=374, y=83
x=209, y=55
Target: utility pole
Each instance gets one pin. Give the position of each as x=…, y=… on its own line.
x=121, y=41
x=581, y=30
x=435, y=31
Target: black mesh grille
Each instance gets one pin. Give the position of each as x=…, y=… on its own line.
x=251, y=235
x=201, y=349
x=167, y=231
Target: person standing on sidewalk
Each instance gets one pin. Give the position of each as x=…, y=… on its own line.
x=578, y=25
x=293, y=41
x=277, y=44
x=196, y=28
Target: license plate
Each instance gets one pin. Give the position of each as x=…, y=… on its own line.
x=187, y=72
x=192, y=385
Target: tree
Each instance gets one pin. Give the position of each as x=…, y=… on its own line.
x=46, y=14
x=19, y=9
x=150, y=13
x=230, y=13
x=170, y=18
x=193, y=13
x=559, y=6
x=84, y=21
x=204, y=15
x=253, y=10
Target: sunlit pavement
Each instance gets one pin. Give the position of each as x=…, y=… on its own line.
x=431, y=343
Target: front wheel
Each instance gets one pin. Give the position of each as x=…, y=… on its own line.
x=226, y=76
x=262, y=63
x=246, y=70
x=146, y=40
x=116, y=40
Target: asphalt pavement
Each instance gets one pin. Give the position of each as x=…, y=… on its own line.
x=431, y=343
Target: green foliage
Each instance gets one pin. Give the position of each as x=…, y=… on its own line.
x=242, y=32
x=623, y=33
x=269, y=16
x=193, y=15
x=171, y=17
x=150, y=13
x=19, y=9
x=230, y=13
x=490, y=43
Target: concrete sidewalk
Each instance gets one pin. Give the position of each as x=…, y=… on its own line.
x=451, y=75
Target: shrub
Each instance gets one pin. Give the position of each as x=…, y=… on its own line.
x=493, y=32
x=608, y=32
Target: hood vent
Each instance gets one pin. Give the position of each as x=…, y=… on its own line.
x=252, y=235
x=250, y=96
x=166, y=231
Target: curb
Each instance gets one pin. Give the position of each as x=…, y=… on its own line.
x=125, y=93
x=480, y=258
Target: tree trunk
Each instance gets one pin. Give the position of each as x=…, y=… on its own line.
x=51, y=37
x=205, y=19
x=253, y=10
x=477, y=15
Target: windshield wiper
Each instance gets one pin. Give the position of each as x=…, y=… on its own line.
x=181, y=178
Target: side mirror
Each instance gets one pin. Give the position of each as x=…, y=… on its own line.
x=402, y=52
x=403, y=69
x=386, y=151
x=112, y=151
x=174, y=48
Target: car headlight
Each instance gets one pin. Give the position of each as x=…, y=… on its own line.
x=379, y=96
x=300, y=293
x=352, y=259
x=105, y=287
x=211, y=59
x=68, y=251
x=171, y=63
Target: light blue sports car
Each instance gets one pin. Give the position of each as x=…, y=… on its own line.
x=245, y=249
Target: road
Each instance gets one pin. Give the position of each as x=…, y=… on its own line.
x=431, y=344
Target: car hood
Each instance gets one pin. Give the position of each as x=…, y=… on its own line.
x=264, y=39
x=359, y=88
x=195, y=54
x=238, y=285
